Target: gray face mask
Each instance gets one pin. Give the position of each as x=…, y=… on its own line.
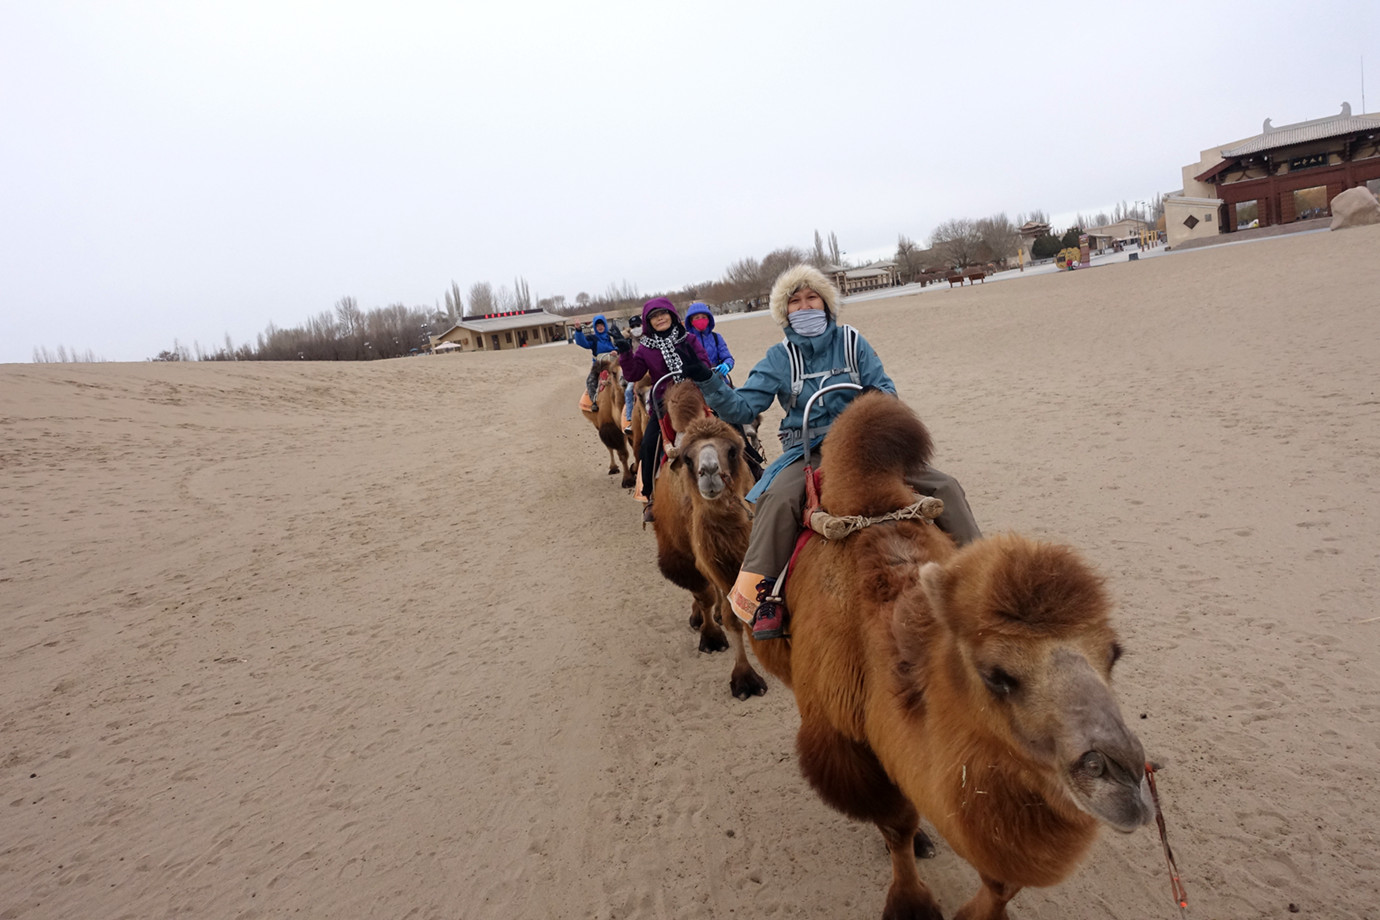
x=808, y=323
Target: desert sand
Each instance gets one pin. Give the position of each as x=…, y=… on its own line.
x=384, y=639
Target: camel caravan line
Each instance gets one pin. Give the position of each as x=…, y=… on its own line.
x=970, y=687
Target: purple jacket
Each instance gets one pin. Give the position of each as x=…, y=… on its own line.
x=648, y=359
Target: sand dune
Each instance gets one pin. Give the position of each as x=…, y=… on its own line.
x=384, y=640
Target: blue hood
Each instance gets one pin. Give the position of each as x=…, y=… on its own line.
x=696, y=308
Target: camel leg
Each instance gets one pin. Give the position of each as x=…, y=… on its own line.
x=990, y=901
x=712, y=638
x=745, y=682
x=613, y=462
x=848, y=776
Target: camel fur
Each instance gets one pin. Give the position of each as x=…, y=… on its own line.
x=702, y=525
x=607, y=418
x=971, y=687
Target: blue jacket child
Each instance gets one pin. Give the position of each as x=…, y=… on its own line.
x=720, y=358
x=599, y=342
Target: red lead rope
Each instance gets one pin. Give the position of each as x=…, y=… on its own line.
x=1175, y=884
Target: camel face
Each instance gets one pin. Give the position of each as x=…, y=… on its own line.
x=1031, y=634
x=711, y=453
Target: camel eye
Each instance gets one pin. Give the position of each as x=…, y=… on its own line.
x=1092, y=764
x=999, y=682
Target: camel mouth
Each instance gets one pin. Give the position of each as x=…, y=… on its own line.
x=711, y=485
x=1116, y=795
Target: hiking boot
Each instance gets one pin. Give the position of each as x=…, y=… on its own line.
x=627, y=429
x=647, y=513
x=769, y=620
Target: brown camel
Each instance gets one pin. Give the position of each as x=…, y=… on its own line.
x=607, y=417
x=702, y=525
x=639, y=417
x=968, y=686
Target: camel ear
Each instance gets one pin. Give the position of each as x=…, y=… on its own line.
x=934, y=581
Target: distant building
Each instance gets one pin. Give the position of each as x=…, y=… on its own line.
x=1284, y=174
x=1125, y=231
x=1029, y=232
x=498, y=331
x=868, y=278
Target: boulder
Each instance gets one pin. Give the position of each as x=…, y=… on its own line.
x=1356, y=207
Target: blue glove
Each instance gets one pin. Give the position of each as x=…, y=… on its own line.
x=721, y=369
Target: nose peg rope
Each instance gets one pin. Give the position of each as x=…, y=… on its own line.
x=1176, y=885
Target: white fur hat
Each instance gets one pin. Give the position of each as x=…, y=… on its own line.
x=795, y=278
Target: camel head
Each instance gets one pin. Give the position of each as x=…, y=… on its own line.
x=609, y=371
x=1032, y=648
x=709, y=452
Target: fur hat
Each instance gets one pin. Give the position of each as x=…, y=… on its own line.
x=795, y=278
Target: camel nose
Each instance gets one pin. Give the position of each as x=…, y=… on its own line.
x=711, y=481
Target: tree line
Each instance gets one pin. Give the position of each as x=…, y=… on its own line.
x=348, y=333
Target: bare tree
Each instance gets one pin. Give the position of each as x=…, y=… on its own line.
x=957, y=241
x=907, y=257
x=1037, y=216
x=481, y=299
x=778, y=260
x=505, y=301
x=455, y=307
x=522, y=295
x=62, y=356
x=582, y=299
x=744, y=278
x=348, y=313
x=999, y=237
x=833, y=248
x=818, y=259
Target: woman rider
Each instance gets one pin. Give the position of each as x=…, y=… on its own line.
x=656, y=354
x=805, y=303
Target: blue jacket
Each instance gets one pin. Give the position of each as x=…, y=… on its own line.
x=714, y=345
x=770, y=381
x=599, y=342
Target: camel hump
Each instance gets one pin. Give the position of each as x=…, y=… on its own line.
x=684, y=404
x=868, y=453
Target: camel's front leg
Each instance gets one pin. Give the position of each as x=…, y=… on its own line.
x=990, y=901
x=745, y=681
x=703, y=618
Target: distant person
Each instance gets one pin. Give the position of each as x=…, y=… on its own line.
x=629, y=393
x=600, y=342
x=657, y=354
x=805, y=303
x=701, y=322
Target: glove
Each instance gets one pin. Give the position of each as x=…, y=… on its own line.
x=695, y=369
x=619, y=341
x=721, y=369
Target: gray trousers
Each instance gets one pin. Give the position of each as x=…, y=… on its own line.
x=776, y=518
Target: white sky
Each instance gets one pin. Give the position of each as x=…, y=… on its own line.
x=193, y=169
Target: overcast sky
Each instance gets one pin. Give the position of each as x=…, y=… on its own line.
x=190, y=170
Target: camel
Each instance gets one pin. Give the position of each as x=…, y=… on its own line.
x=639, y=416
x=702, y=525
x=970, y=687
x=607, y=417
